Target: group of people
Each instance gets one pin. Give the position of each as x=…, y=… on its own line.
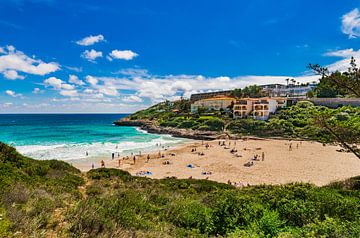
x=297, y=145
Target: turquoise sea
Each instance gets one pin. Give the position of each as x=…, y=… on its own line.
x=70, y=136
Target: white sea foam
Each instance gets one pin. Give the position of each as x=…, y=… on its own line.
x=78, y=151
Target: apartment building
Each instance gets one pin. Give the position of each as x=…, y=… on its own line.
x=257, y=108
x=215, y=103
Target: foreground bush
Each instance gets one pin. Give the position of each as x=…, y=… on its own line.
x=43, y=198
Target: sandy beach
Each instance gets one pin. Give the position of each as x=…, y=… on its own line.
x=276, y=162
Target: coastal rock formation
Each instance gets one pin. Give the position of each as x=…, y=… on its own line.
x=151, y=127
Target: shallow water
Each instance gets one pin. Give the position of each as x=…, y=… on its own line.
x=70, y=136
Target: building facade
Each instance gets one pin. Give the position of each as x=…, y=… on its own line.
x=215, y=103
x=201, y=96
x=257, y=108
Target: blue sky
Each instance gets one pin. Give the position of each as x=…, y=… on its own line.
x=120, y=56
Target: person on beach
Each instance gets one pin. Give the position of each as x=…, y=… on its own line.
x=134, y=159
x=263, y=156
x=159, y=155
x=290, y=147
x=112, y=156
x=92, y=166
x=147, y=158
x=102, y=164
x=119, y=163
x=86, y=153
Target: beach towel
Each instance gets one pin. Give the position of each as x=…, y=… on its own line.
x=190, y=166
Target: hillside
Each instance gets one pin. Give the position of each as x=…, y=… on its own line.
x=297, y=121
x=51, y=198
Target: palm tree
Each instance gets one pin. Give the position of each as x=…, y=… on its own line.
x=287, y=81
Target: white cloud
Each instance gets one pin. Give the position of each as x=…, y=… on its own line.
x=122, y=54
x=159, y=88
x=75, y=80
x=53, y=82
x=69, y=93
x=13, y=94
x=344, y=64
x=58, y=84
x=108, y=90
x=133, y=72
x=90, y=40
x=351, y=23
x=7, y=104
x=2, y=51
x=91, y=80
x=346, y=53
x=13, y=61
x=132, y=98
x=37, y=91
x=12, y=74
x=91, y=55
x=67, y=86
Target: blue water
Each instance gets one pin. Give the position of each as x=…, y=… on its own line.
x=70, y=136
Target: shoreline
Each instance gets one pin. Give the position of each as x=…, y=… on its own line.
x=308, y=162
x=150, y=127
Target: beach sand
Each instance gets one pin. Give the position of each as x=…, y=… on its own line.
x=306, y=162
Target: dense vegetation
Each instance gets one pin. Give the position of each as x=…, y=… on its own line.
x=32, y=192
x=300, y=121
x=177, y=114
x=333, y=84
x=44, y=198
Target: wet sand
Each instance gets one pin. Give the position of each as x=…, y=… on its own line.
x=305, y=162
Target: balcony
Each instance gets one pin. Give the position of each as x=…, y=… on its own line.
x=261, y=102
x=261, y=107
x=242, y=102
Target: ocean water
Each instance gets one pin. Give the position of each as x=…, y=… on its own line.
x=70, y=136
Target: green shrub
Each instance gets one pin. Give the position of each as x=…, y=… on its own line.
x=191, y=215
x=214, y=124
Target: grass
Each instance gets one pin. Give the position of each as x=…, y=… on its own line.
x=43, y=198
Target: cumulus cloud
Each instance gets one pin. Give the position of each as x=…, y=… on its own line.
x=69, y=93
x=108, y=90
x=58, y=84
x=132, y=98
x=13, y=61
x=91, y=80
x=159, y=88
x=37, y=91
x=12, y=75
x=90, y=40
x=13, y=94
x=122, y=54
x=53, y=82
x=75, y=80
x=91, y=55
x=351, y=23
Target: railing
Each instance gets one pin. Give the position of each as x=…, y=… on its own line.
x=261, y=102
